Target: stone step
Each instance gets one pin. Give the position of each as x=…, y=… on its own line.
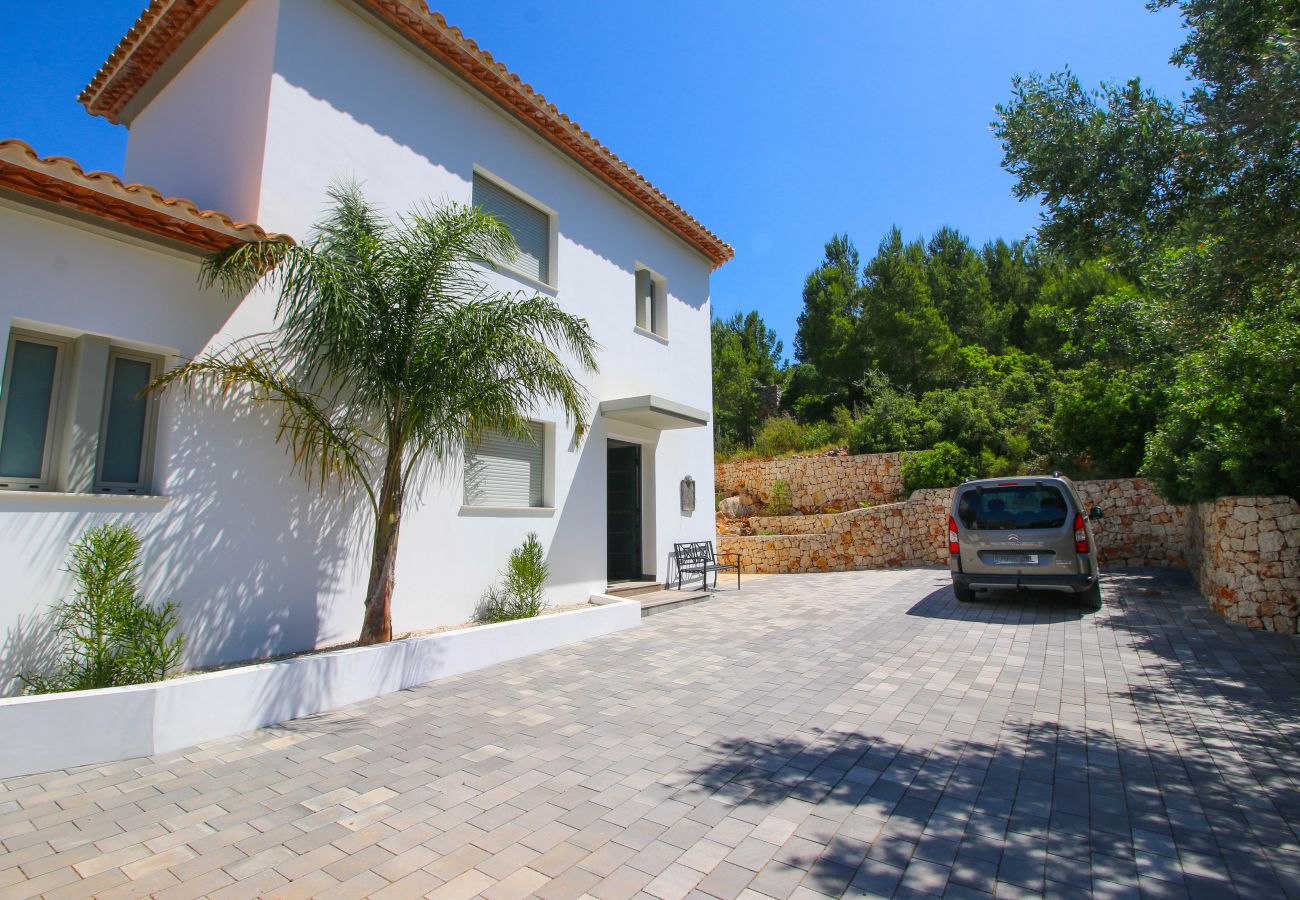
x=664, y=601
x=627, y=589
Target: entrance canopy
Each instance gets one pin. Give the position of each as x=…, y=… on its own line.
x=654, y=412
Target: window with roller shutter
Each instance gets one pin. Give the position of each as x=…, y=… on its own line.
x=530, y=227
x=505, y=471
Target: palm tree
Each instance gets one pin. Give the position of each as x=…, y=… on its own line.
x=391, y=354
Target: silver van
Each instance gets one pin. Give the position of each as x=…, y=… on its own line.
x=1027, y=532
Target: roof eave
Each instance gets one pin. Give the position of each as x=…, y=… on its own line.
x=57, y=183
x=166, y=24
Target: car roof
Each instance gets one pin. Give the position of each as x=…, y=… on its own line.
x=1015, y=480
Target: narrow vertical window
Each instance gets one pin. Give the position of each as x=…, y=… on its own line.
x=644, y=298
x=651, y=303
x=655, y=314
x=28, y=410
x=123, y=443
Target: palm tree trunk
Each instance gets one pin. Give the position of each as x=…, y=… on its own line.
x=377, y=627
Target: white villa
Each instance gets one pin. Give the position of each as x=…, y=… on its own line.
x=252, y=107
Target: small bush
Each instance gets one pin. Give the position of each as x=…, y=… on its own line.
x=943, y=466
x=520, y=596
x=110, y=637
x=778, y=499
x=885, y=423
x=820, y=435
x=780, y=435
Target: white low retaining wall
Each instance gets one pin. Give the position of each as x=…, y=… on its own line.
x=56, y=731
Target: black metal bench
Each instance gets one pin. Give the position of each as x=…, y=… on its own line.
x=698, y=558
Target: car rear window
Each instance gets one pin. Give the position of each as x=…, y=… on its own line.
x=1013, y=506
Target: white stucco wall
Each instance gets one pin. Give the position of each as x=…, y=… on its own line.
x=203, y=135
x=409, y=132
x=260, y=563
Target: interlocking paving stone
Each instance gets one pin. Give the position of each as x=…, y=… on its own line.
x=855, y=733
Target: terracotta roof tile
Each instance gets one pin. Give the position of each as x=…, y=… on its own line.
x=60, y=181
x=165, y=24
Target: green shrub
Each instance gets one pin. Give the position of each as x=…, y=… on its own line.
x=819, y=435
x=780, y=435
x=1103, y=416
x=943, y=466
x=110, y=637
x=520, y=595
x=1233, y=421
x=778, y=498
x=886, y=420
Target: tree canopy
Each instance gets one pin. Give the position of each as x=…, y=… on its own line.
x=1150, y=326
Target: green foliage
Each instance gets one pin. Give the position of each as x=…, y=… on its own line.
x=110, y=637
x=1233, y=425
x=832, y=307
x=821, y=434
x=885, y=420
x=902, y=332
x=392, y=354
x=778, y=498
x=1149, y=325
x=809, y=395
x=521, y=594
x=779, y=436
x=948, y=344
x=944, y=465
x=1196, y=202
x=1102, y=418
x=746, y=361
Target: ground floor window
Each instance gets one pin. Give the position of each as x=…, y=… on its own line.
x=74, y=415
x=29, y=406
x=507, y=471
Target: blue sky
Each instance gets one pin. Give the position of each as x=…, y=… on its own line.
x=775, y=124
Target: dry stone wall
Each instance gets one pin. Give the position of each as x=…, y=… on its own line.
x=910, y=533
x=1243, y=551
x=1138, y=527
x=817, y=483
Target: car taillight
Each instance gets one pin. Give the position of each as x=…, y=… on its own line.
x=954, y=546
x=1080, y=534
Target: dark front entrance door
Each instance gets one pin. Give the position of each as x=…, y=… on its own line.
x=624, y=511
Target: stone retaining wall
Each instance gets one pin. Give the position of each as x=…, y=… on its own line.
x=816, y=483
x=910, y=533
x=1243, y=551
x=1138, y=527
x=1245, y=554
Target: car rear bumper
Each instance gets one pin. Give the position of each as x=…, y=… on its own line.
x=1067, y=584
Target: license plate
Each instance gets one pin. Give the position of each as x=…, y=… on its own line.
x=1016, y=559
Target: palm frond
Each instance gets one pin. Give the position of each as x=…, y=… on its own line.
x=323, y=446
x=489, y=364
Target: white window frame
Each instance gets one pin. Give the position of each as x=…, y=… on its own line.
x=150, y=426
x=46, y=481
x=552, y=231
x=655, y=323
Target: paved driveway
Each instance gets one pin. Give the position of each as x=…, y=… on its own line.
x=820, y=734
